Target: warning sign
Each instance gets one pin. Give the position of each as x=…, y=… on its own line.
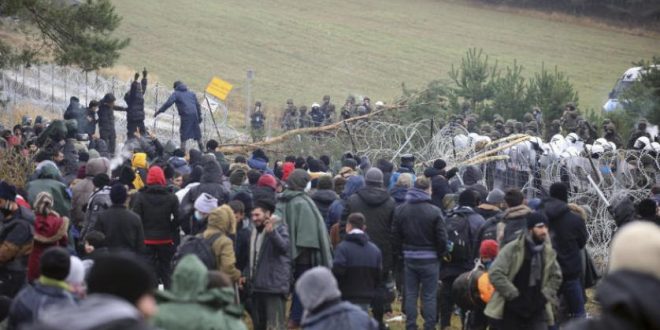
x=219, y=88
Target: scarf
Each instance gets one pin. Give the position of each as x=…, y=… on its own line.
x=536, y=264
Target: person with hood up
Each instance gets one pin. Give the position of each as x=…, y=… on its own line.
x=75, y=112
x=439, y=182
x=49, y=180
x=401, y=187
x=309, y=241
x=191, y=305
x=324, y=310
x=83, y=189
x=49, y=290
x=121, y=296
x=210, y=183
x=569, y=236
x=323, y=197
x=15, y=241
x=352, y=185
x=407, y=165
x=50, y=229
x=134, y=98
x=98, y=202
x=190, y=112
x=159, y=210
x=122, y=227
x=221, y=226
x=140, y=166
x=259, y=161
x=106, y=121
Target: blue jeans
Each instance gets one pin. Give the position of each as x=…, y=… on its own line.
x=572, y=298
x=424, y=273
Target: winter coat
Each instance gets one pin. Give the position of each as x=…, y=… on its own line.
x=307, y=234
x=259, y=164
x=569, y=236
x=628, y=300
x=378, y=209
x=221, y=221
x=98, y=202
x=399, y=195
x=439, y=185
x=210, y=183
x=419, y=230
x=504, y=269
x=48, y=180
x=476, y=221
x=49, y=230
x=272, y=272
x=75, y=112
x=106, y=117
x=191, y=305
x=323, y=199
x=488, y=211
x=122, y=229
x=358, y=268
x=16, y=240
x=189, y=110
x=135, y=101
x=514, y=222
x=32, y=300
x=84, y=188
x=159, y=210
x=341, y=315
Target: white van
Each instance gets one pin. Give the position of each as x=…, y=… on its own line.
x=629, y=77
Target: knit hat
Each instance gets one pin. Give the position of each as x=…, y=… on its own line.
x=374, y=176
x=559, y=190
x=534, y=203
x=536, y=218
x=317, y=286
x=298, y=180
x=155, y=176
x=43, y=204
x=121, y=275
x=7, y=191
x=118, y=194
x=101, y=180
x=468, y=198
x=636, y=247
x=93, y=154
x=489, y=249
x=76, y=271
x=314, y=165
x=267, y=180
x=439, y=164
x=206, y=203
x=472, y=175
x=55, y=263
x=325, y=182
x=496, y=196
x=237, y=177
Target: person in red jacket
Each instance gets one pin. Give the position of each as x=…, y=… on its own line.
x=50, y=229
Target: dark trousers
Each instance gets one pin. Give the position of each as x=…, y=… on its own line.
x=110, y=137
x=160, y=259
x=135, y=125
x=378, y=305
x=268, y=311
x=446, y=302
x=572, y=299
x=11, y=282
x=421, y=275
x=512, y=321
x=296, y=312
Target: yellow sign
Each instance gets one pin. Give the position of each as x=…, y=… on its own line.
x=219, y=88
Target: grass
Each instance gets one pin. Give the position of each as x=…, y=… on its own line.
x=304, y=50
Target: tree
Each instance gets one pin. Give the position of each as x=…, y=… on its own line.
x=474, y=79
x=427, y=103
x=68, y=32
x=550, y=91
x=642, y=99
x=510, y=93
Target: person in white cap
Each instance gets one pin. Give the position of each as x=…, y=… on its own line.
x=204, y=204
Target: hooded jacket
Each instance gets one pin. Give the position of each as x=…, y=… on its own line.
x=221, y=221
x=353, y=184
x=357, y=266
x=83, y=189
x=513, y=222
x=191, y=305
x=33, y=300
x=399, y=195
x=340, y=315
x=16, y=240
x=48, y=180
x=210, y=183
x=323, y=198
x=49, y=230
x=135, y=100
x=122, y=229
x=272, y=272
x=158, y=208
x=439, y=185
x=189, y=110
x=569, y=236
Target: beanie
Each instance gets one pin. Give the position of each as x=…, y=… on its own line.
x=325, y=182
x=101, y=180
x=636, y=247
x=7, y=191
x=118, y=194
x=559, y=190
x=206, y=203
x=374, y=177
x=536, y=218
x=468, y=198
x=489, y=249
x=55, y=263
x=298, y=180
x=496, y=196
x=267, y=180
x=314, y=165
x=439, y=164
x=121, y=275
x=76, y=271
x=155, y=176
x=237, y=177
x=315, y=287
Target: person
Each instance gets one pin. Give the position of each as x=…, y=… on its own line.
x=492, y=205
x=190, y=304
x=49, y=290
x=309, y=241
x=106, y=121
x=94, y=245
x=91, y=119
x=122, y=227
x=98, y=202
x=324, y=196
x=221, y=224
x=401, y=187
x=15, y=240
x=50, y=229
x=158, y=208
x=357, y=264
x=439, y=182
x=569, y=236
x=243, y=232
x=610, y=134
x=351, y=186
x=82, y=190
x=317, y=116
x=628, y=294
x=269, y=271
x=134, y=98
x=121, y=296
x=420, y=240
x=375, y=203
x=328, y=109
x=211, y=183
x=476, y=319
x=406, y=165
x=526, y=277
x=288, y=121
x=639, y=131
x=48, y=180
x=305, y=120
x=321, y=300
x=513, y=220
x=257, y=120
x=75, y=112
x=349, y=109
x=190, y=112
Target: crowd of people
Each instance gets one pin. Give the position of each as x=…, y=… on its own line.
x=190, y=239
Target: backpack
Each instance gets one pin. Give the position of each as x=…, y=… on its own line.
x=459, y=238
x=199, y=246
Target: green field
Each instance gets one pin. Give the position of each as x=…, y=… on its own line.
x=305, y=49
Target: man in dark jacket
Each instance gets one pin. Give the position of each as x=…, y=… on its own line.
x=189, y=110
x=75, y=112
x=122, y=228
x=513, y=220
x=135, y=100
x=569, y=236
x=375, y=203
x=106, y=121
x=49, y=180
x=420, y=238
x=159, y=210
x=324, y=196
x=357, y=264
x=90, y=119
x=269, y=267
x=210, y=183
x=493, y=204
x=439, y=183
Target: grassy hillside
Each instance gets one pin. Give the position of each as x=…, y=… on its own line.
x=305, y=49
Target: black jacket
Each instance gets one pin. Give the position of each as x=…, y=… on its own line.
x=323, y=199
x=357, y=266
x=569, y=235
x=135, y=100
x=439, y=185
x=122, y=229
x=378, y=209
x=399, y=195
x=159, y=210
x=106, y=116
x=419, y=226
x=210, y=183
